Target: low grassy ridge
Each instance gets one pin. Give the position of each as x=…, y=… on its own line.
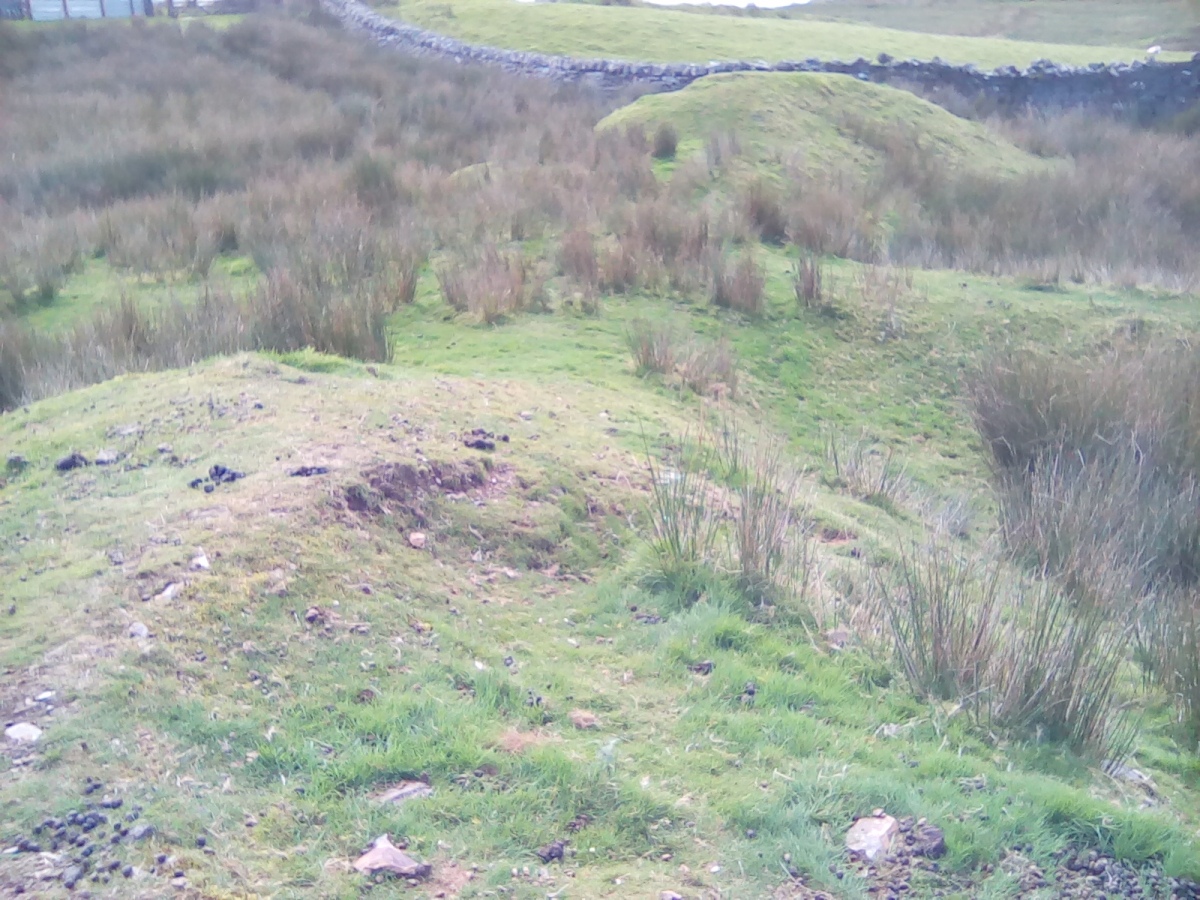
x=612, y=532
x=657, y=35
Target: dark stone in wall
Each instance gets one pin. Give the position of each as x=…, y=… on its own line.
x=1146, y=91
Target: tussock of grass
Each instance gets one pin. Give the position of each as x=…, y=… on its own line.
x=1095, y=469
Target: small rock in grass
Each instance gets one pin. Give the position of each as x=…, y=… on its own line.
x=106, y=457
x=220, y=474
x=74, y=460
x=417, y=540
x=872, y=836
x=16, y=463
x=200, y=561
x=141, y=832
x=309, y=471
x=139, y=630
x=170, y=592
x=23, y=733
x=553, y=850
x=405, y=791
x=385, y=857
x=928, y=841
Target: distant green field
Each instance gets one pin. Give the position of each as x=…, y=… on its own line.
x=776, y=115
x=1173, y=24
x=666, y=35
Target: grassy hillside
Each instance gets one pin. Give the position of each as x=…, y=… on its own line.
x=1169, y=23
x=818, y=118
x=671, y=36
x=643, y=522
x=321, y=658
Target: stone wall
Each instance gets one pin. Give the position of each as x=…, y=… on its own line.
x=1146, y=90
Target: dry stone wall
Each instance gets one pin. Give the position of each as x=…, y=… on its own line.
x=1145, y=90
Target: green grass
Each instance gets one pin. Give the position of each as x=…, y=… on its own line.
x=812, y=118
x=670, y=36
x=267, y=734
x=1170, y=23
x=96, y=284
x=242, y=709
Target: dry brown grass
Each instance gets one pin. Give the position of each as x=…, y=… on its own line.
x=518, y=742
x=765, y=211
x=1116, y=204
x=577, y=258
x=708, y=368
x=1096, y=466
x=704, y=367
x=808, y=283
x=741, y=289
x=491, y=286
x=336, y=176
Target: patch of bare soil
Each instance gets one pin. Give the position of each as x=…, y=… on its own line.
x=517, y=742
x=408, y=489
x=448, y=880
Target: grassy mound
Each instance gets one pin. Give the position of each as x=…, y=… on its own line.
x=823, y=121
x=671, y=36
x=325, y=655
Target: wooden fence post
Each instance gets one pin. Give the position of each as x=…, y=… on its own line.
x=66, y=10
x=27, y=8
x=103, y=14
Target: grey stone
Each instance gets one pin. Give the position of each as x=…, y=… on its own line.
x=23, y=733
x=71, y=461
